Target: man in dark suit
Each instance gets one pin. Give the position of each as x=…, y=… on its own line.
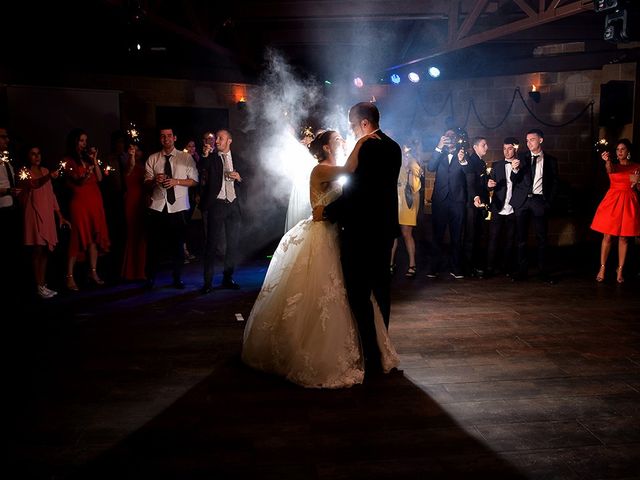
x=503, y=218
x=477, y=197
x=448, y=201
x=220, y=201
x=535, y=183
x=367, y=214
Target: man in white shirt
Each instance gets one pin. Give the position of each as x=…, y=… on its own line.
x=11, y=237
x=503, y=218
x=168, y=173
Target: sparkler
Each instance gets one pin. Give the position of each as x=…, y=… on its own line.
x=602, y=146
x=133, y=133
x=24, y=174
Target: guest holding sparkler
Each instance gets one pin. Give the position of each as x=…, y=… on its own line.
x=40, y=209
x=9, y=217
x=619, y=211
x=89, y=234
x=135, y=206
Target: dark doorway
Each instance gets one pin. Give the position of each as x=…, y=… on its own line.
x=190, y=123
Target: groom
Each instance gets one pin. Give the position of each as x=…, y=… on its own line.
x=367, y=214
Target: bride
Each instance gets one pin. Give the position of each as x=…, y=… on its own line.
x=301, y=326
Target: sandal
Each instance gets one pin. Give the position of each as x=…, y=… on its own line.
x=392, y=269
x=71, y=284
x=600, y=276
x=93, y=277
x=620, y=278
x=411, y=272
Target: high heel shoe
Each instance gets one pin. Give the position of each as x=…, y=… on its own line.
x=71, y=284
x=620, y=278
x=600, y=276
x=93, y=277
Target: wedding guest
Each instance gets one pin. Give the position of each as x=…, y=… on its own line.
x=89, y=235
x=168, y=175
x=619, y=211
x=9, y=217
x=535, y=183
x=40, y=209
x=503, y=219
x=408, y=201
x=135, y=205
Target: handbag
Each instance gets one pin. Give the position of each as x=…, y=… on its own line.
x=408, y=190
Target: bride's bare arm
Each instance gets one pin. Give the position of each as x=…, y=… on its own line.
x=352, y=162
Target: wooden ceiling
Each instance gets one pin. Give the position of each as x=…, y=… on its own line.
x=329, y=39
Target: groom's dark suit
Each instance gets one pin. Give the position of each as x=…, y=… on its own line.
x=367, y=215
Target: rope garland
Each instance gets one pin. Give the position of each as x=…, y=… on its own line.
x=516, y=93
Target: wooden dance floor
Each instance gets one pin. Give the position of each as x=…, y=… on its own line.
x=498, y=380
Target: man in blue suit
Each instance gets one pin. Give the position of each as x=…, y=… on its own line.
x=450, y=162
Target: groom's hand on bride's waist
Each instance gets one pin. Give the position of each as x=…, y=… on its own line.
x=318, y=213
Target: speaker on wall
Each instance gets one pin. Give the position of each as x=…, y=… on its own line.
x=616, y=103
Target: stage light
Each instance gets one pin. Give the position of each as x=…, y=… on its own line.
x=434, y=72
x=603, y=5
x=395, y=78
x=414, y=77
x=358, y=82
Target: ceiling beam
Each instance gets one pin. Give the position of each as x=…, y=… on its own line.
x=543, y=16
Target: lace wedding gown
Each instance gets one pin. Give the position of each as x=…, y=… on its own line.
x=301, y=326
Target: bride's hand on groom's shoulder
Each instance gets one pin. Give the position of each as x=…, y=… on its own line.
x=370, y=135
x=318, y=211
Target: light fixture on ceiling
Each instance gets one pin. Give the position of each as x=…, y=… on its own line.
x=434, y=72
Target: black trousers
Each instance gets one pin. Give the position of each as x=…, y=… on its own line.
x=473, y=231
x=167, y=232
x=447, y=214
x=533, y=211
x=222, y=217
x=502, y=237
x=365, y=265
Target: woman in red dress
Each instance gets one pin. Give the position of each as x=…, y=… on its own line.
x=89, y=232
x=135, y=206
x=619, y=211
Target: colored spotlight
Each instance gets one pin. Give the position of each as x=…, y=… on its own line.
x=434, y=72
x=395, y=78
x=358, y=82
x=414, y=77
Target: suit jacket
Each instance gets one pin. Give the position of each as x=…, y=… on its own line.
x=523, y=180
x=476, y=175
x=368, y=206
x=499, y=175
x=211, y=178
x=451, y=179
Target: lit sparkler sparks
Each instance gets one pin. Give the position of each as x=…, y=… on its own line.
x=24, y=174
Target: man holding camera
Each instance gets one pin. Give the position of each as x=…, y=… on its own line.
x=449, y=200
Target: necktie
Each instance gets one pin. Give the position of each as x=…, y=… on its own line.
x=534, y=160
x=171, y=194
x=12, y=181
x=228, y=185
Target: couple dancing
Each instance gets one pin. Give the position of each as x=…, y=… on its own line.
x=322, y=315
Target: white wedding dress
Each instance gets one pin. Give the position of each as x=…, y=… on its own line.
x=301, y=326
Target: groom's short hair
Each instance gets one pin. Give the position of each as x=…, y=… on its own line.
x=366, y=111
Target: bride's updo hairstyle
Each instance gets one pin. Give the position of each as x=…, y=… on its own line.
x=316, y=147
